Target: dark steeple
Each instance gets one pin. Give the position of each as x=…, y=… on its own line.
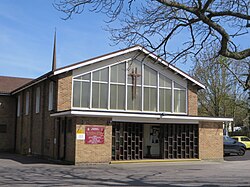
x=54, y=54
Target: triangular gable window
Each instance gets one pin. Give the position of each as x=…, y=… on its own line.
x=129, y=86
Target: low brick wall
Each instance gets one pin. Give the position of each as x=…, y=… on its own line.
x=211, y=140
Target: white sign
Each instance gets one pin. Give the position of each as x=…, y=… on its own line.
x=80, y=136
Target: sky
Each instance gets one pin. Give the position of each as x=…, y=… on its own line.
x=27, y=32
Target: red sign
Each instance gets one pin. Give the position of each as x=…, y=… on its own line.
x=94, y=135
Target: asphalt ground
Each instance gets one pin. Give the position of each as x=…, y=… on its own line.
x=17, y=170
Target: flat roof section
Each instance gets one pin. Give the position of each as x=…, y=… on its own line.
x=143, y=117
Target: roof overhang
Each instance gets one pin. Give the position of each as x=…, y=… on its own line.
x=5, y=94
x=143, y=117
x=33, y=82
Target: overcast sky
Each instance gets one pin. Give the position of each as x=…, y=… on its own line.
x=26, y=38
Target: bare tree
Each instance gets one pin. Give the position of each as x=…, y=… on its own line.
x=223, y=95
x=155, y=23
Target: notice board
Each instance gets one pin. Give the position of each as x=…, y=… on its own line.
x=94, y=135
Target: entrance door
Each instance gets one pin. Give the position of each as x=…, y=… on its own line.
x=152, y=140
x=61, y=139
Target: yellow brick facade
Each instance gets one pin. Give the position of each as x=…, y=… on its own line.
x=211, y=140
x=94, y=153
x=192, y=101
x=64, y=87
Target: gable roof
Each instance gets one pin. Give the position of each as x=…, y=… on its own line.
x=8, y=84
x=125, y=51
x=106, y=57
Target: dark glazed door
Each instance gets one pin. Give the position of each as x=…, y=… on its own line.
x=61, y=139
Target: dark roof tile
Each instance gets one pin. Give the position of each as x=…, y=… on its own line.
x=8, y=84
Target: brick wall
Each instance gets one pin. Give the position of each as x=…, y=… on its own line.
x=23, y=124
x=7, y=117
x=35, y=131
x=98, y=153
x=48, y=127
x=37, y=120
x=64, y=88
x=211, y=140
x=192, y=101
x=19, y=126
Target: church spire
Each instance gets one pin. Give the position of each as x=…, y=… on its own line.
x=54, y=54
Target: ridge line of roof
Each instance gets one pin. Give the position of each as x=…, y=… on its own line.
x=133, y=48
x=109, y=55
x=100, y=56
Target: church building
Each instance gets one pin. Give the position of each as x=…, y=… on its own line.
x=129, y=105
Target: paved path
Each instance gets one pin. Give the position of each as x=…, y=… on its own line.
x=17, y=170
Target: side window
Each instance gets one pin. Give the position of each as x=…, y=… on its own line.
x=245, y=139
x=27, y=103
x=18, y=105
x=51, y=94
x=37, y=99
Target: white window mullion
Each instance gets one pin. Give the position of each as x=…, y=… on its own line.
x=117, y=97
x=99, y=96
x=173, y=97
x=80, y=99
x=157, y=92
x=109, y=79
x=186, y=100
x=91, y=86
x=142, y=85
x=126, y=86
